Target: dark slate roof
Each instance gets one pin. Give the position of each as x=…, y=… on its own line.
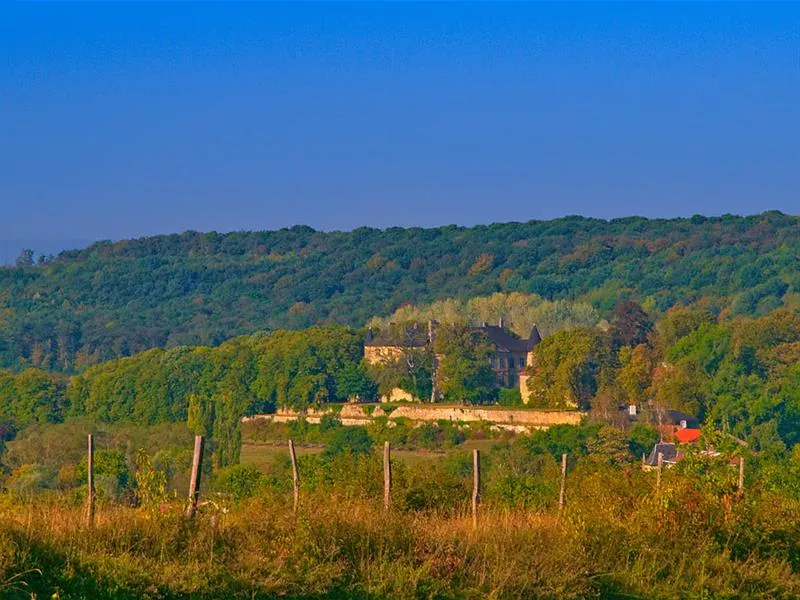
x=502, y=339
x=668, y=451
x=675, y=417
x=409, y=335
x=415, y=335
x=534, y=337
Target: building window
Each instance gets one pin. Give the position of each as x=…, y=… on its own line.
x=511, y=362
x=512, y=380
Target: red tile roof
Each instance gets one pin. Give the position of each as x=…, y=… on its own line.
x=687, y=436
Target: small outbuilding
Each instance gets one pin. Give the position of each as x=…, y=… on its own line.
x=669, y=454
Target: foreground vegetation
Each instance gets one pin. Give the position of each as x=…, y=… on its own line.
x=618, y=537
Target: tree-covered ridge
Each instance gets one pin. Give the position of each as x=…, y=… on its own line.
x=116, y=299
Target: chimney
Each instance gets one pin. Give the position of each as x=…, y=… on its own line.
x=431, y=330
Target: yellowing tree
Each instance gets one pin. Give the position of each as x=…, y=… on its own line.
x=635, y=373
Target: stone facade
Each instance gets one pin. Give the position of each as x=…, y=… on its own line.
x=381, y=354
x=524, y=390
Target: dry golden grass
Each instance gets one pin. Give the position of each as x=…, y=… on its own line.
x=616, y=539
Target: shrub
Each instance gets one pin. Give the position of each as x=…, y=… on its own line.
x=641, y=439
x=510, y=397
x=329, y=422
x=110, y=473
x=432, y=486
x=522, y=475
x=151, y=482
x=354, y=440
x=240, y=481
x=29, y=479
x=426, y=435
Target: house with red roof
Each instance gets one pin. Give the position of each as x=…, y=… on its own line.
x=686, y=436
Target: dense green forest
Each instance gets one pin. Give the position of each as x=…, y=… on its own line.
x=116, y=299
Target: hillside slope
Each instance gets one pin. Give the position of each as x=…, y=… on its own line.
x=114, y=299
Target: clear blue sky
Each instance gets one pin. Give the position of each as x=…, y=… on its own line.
x=120, y=120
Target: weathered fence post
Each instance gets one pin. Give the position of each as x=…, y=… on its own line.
x=90, y=481
x=741, y=474
x=658, y=473
x=562, y=496
x=387, y=476
x=194, y=481
x=476, y=486
x=295, y=477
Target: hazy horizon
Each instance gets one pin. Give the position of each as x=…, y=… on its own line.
x=10, y=249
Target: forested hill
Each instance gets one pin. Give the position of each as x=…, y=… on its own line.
x=114, y=299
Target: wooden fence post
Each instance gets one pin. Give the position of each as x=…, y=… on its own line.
x=387, y=476
x=658, y=474
x=90, y=481
x=295, y=477
x=194, y=481
x=562, y=496
x=741, y=474
x=476, y=486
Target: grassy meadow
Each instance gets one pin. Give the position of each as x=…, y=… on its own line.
x=619, y=537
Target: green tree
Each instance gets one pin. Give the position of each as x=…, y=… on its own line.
x=677, y=323
x=25, y=258
x=564, y=369
x=111, y=472
x=353, y=382
x=411, y=372
x=32, y=396
x=609, y=445
x=464, y=372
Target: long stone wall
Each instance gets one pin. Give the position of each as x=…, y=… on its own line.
x=516, y=419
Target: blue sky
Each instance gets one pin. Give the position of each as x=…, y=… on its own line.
x=120, y=120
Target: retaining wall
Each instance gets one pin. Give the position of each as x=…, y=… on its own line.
x=359, y=414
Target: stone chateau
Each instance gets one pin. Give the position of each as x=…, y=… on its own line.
x=509, y=358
